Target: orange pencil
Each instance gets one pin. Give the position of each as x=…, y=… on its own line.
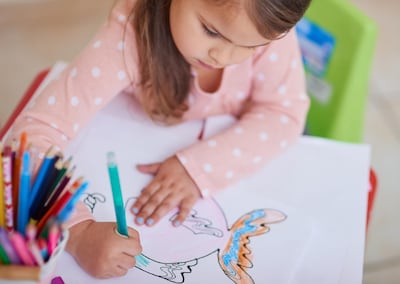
x=17, y=171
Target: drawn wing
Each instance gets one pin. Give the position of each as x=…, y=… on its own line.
x=235, y=259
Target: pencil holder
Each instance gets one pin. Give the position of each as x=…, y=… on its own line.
x=19, y=274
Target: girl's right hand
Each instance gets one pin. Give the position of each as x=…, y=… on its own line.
x=100, y=251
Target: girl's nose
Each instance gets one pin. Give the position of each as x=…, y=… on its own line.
x=220, y=55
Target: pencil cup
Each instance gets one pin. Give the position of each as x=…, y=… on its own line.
x=18, y=274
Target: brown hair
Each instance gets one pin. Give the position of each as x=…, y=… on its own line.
x=165, y=75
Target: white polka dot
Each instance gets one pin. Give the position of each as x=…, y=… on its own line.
x=286, y=103
x=120, y=45
x=212, y=143
x=260, y=116
x=51, y=100
x=263, y=136
x=121, y=18
x=97, y=44
x=98, y=101
x=257, y=159
x=282, y=89
x=238, y=130
x=205, y=192
x=240, y=95
x=208, y=168
x=206, y=109
x=260, y=76
x=76, y=127
x=303, y=96
x=121, y=75
x=237, y=152
x=30, y=119
x=284, y=119
x=55, y=126
x=183, y=160
x=74, y=101
x=64, y=137
x=294, y=64
x=229, y=175
x=41, y=155
x=273, y=57
x=284, y=144
x=96, y=72
x=74, y=72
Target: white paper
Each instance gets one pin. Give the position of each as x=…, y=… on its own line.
x=320, y=187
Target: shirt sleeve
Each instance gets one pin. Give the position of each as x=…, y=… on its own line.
x=95, y=77
x=272, y=120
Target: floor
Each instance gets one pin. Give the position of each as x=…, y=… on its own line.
x=36, y=33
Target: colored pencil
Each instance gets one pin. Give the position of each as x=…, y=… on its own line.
x=7, y=179
x=25, y=188
x=117, y=194
x=54, y=168
x=19, y=150
x=41, y=173
x=21, y=248
x=56, y=208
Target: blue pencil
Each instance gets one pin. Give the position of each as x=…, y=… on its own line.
x=69, y=207
x=117, y=194
x=41, y=174
x=24, y=190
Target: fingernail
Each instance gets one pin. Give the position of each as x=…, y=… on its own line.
x=139, y=220
x=149, y=221
x=177, y=223
x=135, y=210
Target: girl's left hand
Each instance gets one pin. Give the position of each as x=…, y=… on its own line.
x=171, y=187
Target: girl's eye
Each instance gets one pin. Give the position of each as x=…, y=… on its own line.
x=209, y=32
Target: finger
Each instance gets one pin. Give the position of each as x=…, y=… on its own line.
x=152, y=205
x=148, y=168
x=184, y=209
x=119, y=271
x=170, y=202
x=145, y=195
x=127, y=262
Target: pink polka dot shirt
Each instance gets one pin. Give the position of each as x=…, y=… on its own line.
x=266, y=93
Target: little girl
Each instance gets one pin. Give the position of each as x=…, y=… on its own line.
x=182, y=60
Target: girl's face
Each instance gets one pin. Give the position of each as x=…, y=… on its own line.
x=210, y=36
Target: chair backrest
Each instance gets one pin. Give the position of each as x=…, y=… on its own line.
x=337, y=42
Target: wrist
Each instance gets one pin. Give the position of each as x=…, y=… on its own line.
x=75, y=235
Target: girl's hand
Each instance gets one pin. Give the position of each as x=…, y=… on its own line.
x=171, y=187
x=100, y=251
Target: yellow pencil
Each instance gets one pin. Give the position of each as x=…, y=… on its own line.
x=2, y=218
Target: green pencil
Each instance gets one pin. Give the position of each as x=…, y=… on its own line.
x=117, y=194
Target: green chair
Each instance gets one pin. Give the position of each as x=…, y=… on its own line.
x=337, y=76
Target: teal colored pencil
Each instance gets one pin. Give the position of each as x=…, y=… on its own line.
x=117, y=194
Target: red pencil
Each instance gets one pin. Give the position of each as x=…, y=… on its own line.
x=59, y=204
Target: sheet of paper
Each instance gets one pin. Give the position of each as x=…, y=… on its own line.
x=314, y=197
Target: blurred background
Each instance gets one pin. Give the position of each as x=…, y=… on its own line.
x=34, y=34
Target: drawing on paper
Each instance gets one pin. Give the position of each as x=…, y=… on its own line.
x=204, y=233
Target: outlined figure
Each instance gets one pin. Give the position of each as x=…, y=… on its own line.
x=91, y=199
x=205, y=232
